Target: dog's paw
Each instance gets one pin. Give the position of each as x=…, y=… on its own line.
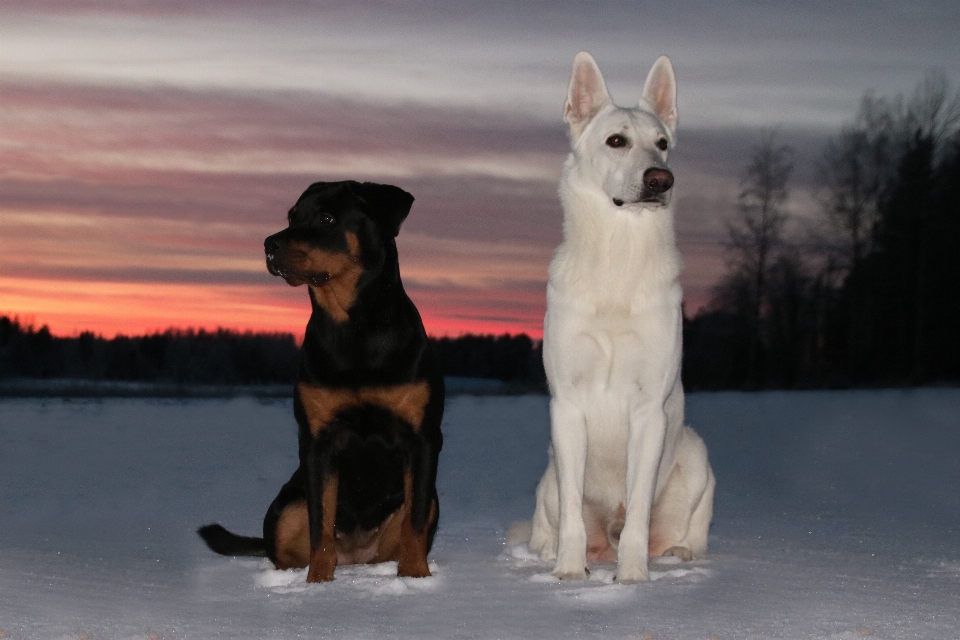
x=571, y=555
x=679, y=552
x=571, y=575
x=413, y=570
x=320, y=575
x=547, y=553
x=576, y=570
x=546, y=549
x=322, y=564
x=631, y=575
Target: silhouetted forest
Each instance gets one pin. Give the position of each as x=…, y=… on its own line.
x=869, y=292
x=229, y=358
x=516, y=359
x=173, y=356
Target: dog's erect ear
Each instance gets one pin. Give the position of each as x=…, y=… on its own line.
x=660, y=92
x=586, y=95
x=386, y=204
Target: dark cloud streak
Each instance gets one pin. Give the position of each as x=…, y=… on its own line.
x=142, y=275
x=225, y=120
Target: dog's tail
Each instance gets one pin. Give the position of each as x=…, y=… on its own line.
x=519, y=533
x=230, y=544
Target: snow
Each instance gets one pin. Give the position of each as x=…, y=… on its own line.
x=837, y=517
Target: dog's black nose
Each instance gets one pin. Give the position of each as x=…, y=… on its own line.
x=657, y=180
x=271, y=246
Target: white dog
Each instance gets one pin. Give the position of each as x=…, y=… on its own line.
x=626, y=479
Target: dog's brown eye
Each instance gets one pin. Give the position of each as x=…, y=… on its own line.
x=616, y=141
x=326, y=218
x=662, y=144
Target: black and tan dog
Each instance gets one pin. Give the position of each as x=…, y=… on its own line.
x=368, y=398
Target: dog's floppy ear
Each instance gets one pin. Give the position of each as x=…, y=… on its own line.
x=586, y=95
x=386, y=204
x=660, y=92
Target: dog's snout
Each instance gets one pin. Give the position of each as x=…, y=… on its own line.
x=657, y=180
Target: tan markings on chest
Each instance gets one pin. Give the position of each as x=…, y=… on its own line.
x=341, y=272
x=322, y=404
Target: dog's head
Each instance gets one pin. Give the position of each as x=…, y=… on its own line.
x=623, y=151
x=338, y=236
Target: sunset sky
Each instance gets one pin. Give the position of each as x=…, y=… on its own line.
x=148, y=146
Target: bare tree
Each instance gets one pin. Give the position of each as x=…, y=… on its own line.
x=756, y=234
x=931, y=111
x=851, y=173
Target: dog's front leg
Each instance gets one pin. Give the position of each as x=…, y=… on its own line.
x=648, y=426
x=322, y=486
x=569, y=437
x=419, y=510
x=655, y=374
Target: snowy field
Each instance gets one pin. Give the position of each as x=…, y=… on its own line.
x=837, y=517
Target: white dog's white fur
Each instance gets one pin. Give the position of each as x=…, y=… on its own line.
x=626, y=479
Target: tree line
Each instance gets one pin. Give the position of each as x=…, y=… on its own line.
x=172, y=356
x=866, y=293
x=224, y=357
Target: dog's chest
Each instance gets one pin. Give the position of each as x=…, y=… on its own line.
x=321, y=405
x=616, y=261
x=613, y=300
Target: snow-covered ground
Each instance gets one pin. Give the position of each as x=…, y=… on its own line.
x=837, y=516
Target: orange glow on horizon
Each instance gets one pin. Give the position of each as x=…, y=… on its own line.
x=69, y=308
